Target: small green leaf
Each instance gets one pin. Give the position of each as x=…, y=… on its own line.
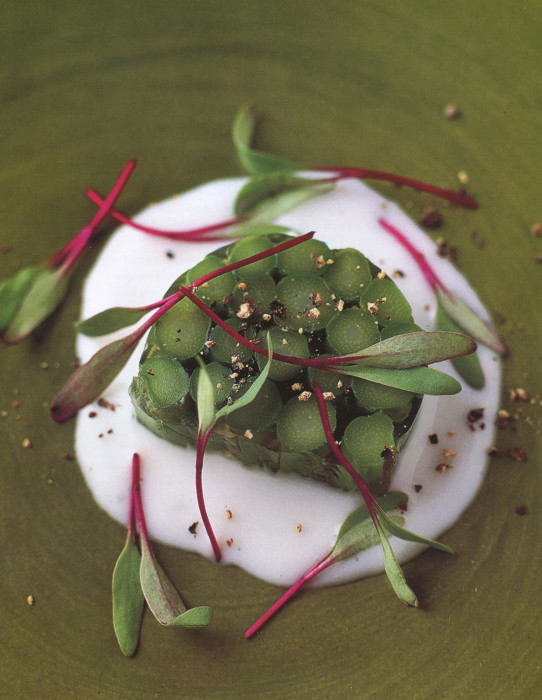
x=205, y=399
x=469, y=321
x=163, y=598
x=89, y=380
x=255, y=229
x=402, y=533
x=253, y=161
x=414, y=349
x=194, y=618
x=267, y=197
x=469, y=367
x=254, y=389
x=395, y=574
x=128, y=599
x=47, y=289
x=420, y=380
x=358, y=532
x=13, y=291
x=109, y=321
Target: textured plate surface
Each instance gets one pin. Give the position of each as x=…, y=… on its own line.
x=86, y=86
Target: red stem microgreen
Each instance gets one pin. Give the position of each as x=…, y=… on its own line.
x=343, y=173
x=449, y=304
x=195, y=234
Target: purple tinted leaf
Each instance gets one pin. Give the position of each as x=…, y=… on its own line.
x=412, y=350
x=469, y=321
x=42, y=296
x=90, y=380
x=253, y=161
x=110, y=320
x=469, y=367
x=419, y=380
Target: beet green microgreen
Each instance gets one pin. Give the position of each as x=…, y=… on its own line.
x=452, y=313
x=34, y=293
x=207, y=418
x=356, y=534
x=258, y=163
x=138, y=577
x=352, y=537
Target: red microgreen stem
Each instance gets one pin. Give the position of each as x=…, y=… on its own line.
x=322, y=564
x=429, y=274
x=67, y=256
x=194, y=234
x=137, y=503
x=319, y=362
x=203, y=439
x=463, y=200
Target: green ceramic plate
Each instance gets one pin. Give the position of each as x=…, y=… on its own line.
x=84, y=87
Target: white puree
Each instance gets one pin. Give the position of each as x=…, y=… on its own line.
x=134, y=270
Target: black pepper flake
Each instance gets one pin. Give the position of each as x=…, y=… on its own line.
x=418, y=488
x=403, y=506
x=170, y=254
x=522, y=510
x=475, y=414
x=430, y=218
x=92, y=414
x=433, y=439
x=193, y=529
x=277, y=308
x=67, y=456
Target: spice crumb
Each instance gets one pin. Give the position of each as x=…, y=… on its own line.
x=492, y=451
x=443, y=467
x=433, y=439
x=26, y=443
x=518, y=453
x=519, y=394
x=229, y=514
x=536, y=229
x=298, y=527
x=451, y=111
x=418, y=488
x=44, y=365
x=30, y=600
x=92, y=414
x=193, y=529
x=229, y=542
x=521, y=510
x=449, y=452
x=304, y=396
x=248, y=434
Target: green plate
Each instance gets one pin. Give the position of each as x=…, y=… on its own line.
x=87, y=85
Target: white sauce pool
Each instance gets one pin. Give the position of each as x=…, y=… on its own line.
x=266, y=509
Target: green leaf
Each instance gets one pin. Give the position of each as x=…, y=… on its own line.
x=402, y=533
x=128, y=599
x=267, y=197
x=254, y=389
x=163, y=599
x=205, y=399
x=89, y=380
x=469, y=321
x=256, y=229
x=358, y=532
x=395, y=574
x=45, y=292
x=469, y=367
x=13, y=292
x=109, y=321
x=414, y=349
x=253, y=161
x=420, y=380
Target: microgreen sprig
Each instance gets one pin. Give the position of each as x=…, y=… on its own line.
x=452, y=312
x=34, y=293
x=353, y=536
x=138, y=577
